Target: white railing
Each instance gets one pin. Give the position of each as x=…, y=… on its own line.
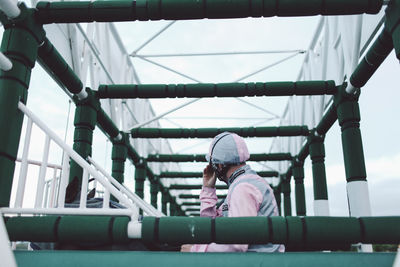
x=43, y=205
x=6, y=255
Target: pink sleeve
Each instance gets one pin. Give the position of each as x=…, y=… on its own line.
x=245, y=200
x=208, y=200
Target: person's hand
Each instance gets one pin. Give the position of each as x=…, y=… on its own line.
x=209, y=177
x=186, y=248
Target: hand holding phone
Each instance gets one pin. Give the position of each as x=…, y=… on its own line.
x=209, y=177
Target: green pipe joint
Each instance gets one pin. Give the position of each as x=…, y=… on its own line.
x=108, y=11
x=212, y=132
x=140, y=177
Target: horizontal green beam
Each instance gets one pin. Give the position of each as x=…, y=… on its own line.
x=190, y=204
x=192, y=209
x=55, y=64
x=87, y=258
x=201, y=157
x=306, y=231
x=108, y=11
x=200, y=174
x=212, y=132
x=193, y=186
x=217, y=90
x=188, y=196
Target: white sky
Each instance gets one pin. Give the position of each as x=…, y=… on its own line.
x=378, y=102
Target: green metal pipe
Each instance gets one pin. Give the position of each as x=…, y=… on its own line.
x=107, y=126
x=308, y=231
x=392, y=21
x=58, y=67
x=108, y=11
x=20, y=42
x=212, y=132
x=216, y=90
x=193, y=187
x=190, y=204
x=187, y=196
x=304, y=152
x=192, y=209
x=87, y=258
x=320, y=232
x=201, y=157
x=348, y=113
x=200, y=174
x=317, y=154
x=84, y=122
x=378, y=52
x=154, y=188
x=287, y=202
x=140, y=177
x=327, y=120
x=164, y=201
x=298, y=176
x=278, y=195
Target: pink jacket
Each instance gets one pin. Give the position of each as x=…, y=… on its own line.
x=244, y=199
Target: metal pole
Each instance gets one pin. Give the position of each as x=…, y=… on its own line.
x=298, y=176
x=42, y=174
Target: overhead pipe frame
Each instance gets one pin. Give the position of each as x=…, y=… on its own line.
x=112, y=11
x=201, y=157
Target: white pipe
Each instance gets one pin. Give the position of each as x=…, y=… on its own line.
x=134, y=229
x=24, y=166
x=10, y=8
x=321, y=207
x=38, y=163
x=147, y=208
x=53, y=188
x=64, y=181
x=82, y=94
x=75, y=156
x=106, y=199
x=5, y=63
x=6, y=255
x=67, y=211
x=85, y=178
x=396, y=262
x=42, y=173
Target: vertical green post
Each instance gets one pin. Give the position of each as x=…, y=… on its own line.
x=154, y=192
x=20, y=43
x=298, y=176
x=317, y=155
x=140, y=177
x=278, y=195
x=172, y=207
x=118, y=155
x=287, y=202
x=84, y=122
x=349, y=120
x=164, y=200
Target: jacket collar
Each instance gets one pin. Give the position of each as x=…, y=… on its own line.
x=237, y=173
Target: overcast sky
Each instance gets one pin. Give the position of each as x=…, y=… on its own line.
x=378, y=102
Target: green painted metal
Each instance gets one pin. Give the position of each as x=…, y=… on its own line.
x=118, y=155
x=287, y=202
x=200, y=174
x=59, y=69
x=298, y=176
x=212, y=132
x=305, y=232
x=173, y=259
x=216, y=90
x=186, y=196
x=348, y=113
x=317, y=155
x=154, y=188
x=99, y=230
x=192, y=209
x=140, y=177
x=84, y=122
x=21, y=39
x=192, y=187
x=392, y=25
x=164, y=199
x=201, y=157
x=278, y=196
x=190, y=203
x=107, y=11
x=327, y=121
x=107, y=126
